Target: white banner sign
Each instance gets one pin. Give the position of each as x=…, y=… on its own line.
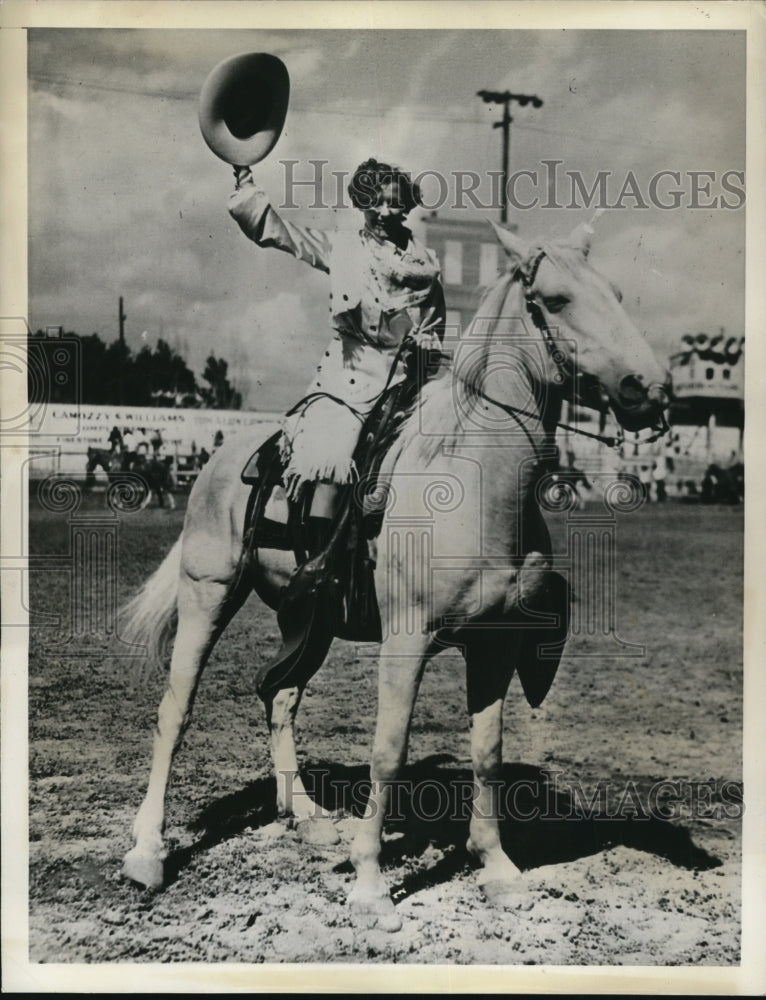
x=66, y=431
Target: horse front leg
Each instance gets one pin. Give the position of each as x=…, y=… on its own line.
x=401, y=668
x=313, y=824
x=488, y=673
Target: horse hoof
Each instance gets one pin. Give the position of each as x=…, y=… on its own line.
x=144, y=869
x=503, y=893
x=373, y=909
x=317, y=832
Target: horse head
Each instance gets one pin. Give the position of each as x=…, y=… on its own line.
x=591, y=338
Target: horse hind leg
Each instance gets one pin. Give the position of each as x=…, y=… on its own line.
x=205, y=607
x=313, y=824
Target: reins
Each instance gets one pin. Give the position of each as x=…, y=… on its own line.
x=528, y=277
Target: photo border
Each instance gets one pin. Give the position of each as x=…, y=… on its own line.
x=19, y=974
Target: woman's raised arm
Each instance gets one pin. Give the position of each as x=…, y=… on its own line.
x=260, y=222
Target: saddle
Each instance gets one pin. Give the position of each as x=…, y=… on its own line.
x=331, y=592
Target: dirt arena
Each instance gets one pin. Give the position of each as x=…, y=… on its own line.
x=617, y=884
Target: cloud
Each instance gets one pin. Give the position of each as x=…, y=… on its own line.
x=126, y=199
x=667, y=285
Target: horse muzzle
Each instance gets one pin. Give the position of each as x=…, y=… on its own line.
x=638, y=406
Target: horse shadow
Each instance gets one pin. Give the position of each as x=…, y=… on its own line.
x=540, y=823
x=251, y=807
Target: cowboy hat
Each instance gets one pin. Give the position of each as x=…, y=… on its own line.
x=242, y=107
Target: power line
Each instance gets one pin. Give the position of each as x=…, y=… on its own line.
x=414, y=114
x=64, y=81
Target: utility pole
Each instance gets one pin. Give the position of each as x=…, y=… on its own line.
x=505, y=97
x=121, y=317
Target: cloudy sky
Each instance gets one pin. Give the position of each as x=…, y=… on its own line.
x=126, y=198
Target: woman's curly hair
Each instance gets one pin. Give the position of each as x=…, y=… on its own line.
x=370, y=176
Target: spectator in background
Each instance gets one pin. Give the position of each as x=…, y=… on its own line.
x=719, y=486
x=737, y=473
x=128, y=449
x=204, y=457
x=645, y=478
x=217, y=440
x=575, y=477
x=142, y=443
x=156, y=442
x=671, y=449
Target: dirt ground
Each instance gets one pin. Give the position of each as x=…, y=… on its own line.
x=617, y=884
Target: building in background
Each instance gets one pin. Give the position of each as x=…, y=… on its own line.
x=709, y=387
x=470, y=257
x=707, y=414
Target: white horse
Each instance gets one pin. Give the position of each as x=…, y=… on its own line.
x=550, y=326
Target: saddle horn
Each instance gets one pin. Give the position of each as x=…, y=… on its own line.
x=243, y=105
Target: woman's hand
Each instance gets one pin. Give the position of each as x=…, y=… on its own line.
x=243, y=178
x=425, y=339
x=247, y=202
x=429, y=332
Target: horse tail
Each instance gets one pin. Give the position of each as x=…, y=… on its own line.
x=149, y=618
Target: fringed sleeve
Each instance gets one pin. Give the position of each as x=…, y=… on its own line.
x=259, y=221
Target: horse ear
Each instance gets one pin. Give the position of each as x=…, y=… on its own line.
x=514, y=247
x=581, y=235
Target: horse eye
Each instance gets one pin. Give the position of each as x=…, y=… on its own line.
x=555, y=303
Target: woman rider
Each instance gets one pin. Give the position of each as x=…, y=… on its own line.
x=385, y=286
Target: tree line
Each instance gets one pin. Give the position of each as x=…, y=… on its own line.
x=73, y=368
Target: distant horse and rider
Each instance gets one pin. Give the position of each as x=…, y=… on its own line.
x=151, y=474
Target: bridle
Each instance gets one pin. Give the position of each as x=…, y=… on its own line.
x=528, y=275
x=528, y=278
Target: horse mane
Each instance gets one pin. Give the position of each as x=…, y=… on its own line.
x=435, y=423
